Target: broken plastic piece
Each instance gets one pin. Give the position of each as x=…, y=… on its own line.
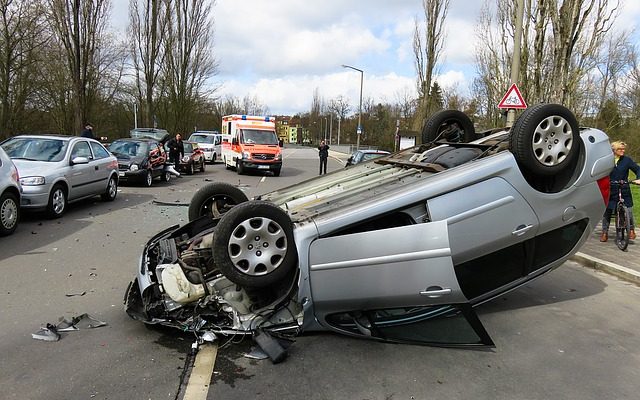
x=86, y=321
x=48, y=334
x=271, y=346
x=208, y=336
x=256, y=353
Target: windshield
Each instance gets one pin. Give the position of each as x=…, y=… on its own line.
x=254, y=136
x=36, y=149
x=188, y=147
x=127, y=148
x=202, y=138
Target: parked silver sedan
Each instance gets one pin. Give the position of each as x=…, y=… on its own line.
x=9, y=195
x=398, y=249
x=56, y=170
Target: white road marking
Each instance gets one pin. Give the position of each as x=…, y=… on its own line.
x=263, y=178
x=200, y=378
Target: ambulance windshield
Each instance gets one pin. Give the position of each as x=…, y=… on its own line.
x=255, y=136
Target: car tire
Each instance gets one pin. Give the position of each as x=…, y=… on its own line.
x=202, y=165
x=112, y=190
x=147, y=179
x=191, y=169
x=276, y=172
x=213, y=158
x=545, y=139
x=226, y=166
x=166, y=176
x=253, y=245
x=57, y=204
x=214, y=200
x=450, y=125
x=9, y=213
x=239, y=168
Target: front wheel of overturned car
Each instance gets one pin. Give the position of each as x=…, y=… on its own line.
x=545, y=139
x=214, y=200
x=253, y=245
x=450, y=125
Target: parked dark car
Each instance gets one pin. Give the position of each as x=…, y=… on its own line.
x=9, y=195
x=140, y=160
x=193, y=158
x=365, y=155
x=56, y=170
x=398, y=249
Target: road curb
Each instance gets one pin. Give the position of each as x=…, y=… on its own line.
x=621, y=272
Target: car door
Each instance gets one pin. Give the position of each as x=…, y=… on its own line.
x=157, y=158
x=103, y=164
x=395, y=284
x=81, y=177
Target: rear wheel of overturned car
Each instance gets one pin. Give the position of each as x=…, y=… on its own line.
x=545, y=139
x=9, y=213
x=57, y=202
x=253, y=245
x=214, y=200
x=112, y=190
x=450, y=125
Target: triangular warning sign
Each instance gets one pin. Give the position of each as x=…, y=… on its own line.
x=513, y=99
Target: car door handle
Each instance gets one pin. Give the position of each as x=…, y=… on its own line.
x=521, y=230
x=435, y=291
x=96, y=167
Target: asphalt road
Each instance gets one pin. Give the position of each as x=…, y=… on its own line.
x=570, y=335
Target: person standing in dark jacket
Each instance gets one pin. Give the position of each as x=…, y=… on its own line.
x=323, y=152
x=176, y=149
x=87, y=131
x=620, y=172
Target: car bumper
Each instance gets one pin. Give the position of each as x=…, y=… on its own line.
x=270, y=166
x=208, y=155
x=35, y=196
x=127, y=176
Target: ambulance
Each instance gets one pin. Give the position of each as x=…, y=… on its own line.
x=251, y=143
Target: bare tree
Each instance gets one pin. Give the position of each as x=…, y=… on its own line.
x=339, y=107
x=427, y=48
x=22, y=38
x=147, y=24
x=79, y=27
x=189, y=60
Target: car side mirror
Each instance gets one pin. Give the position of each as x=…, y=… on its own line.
x=80, y=160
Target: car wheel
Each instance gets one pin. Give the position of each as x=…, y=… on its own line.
x=239, y=168
x=545, y=139
x=112, y=190
x=213, y=158
x=253, y=245
x=202, y=165
x=214, y=200
x=276, y=172
x=226, y=166
x=57, y=202
x=147, y=179
x=190, y=168
x=9, y=213
x=166, y=176
x=450, y=125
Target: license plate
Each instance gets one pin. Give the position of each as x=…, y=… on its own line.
x=263, y=167
x=120, y=173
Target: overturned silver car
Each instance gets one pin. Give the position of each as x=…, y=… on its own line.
x=397, y=249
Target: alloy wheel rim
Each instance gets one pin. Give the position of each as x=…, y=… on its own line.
x=552, y=140
x=257, y=246
x=112, y=188
x=58, y=201
x=9, y=213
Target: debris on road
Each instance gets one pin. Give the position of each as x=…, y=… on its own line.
x=51, y=333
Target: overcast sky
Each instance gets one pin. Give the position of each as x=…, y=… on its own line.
x=282, y=50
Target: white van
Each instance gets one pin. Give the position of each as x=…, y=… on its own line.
x=209, y=142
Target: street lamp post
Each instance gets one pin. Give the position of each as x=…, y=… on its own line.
x=359, y=131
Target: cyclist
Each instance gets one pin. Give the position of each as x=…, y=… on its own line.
x=620, y=172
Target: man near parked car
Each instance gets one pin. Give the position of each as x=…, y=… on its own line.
x=323, y=152
x=87, y=131
x=176, y=149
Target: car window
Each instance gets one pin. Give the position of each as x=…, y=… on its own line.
x=202, y=138
x=128, y=148
x=99, y=151
x=188, y=148
x=370, y=156
x=36, y=149
x=81, y=149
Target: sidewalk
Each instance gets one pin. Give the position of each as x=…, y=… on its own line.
x=608, y=258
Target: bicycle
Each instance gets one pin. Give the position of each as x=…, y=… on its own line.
x=623, y=225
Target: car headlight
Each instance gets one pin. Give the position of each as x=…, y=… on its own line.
x=185, y=159
x=32, y=181
x=246, y=155
x=279, y=156
x=133, y=167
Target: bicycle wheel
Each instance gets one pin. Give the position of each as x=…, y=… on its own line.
x=622, y=227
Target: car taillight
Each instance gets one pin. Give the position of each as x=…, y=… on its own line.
x=605, y=188
x=15, y=175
